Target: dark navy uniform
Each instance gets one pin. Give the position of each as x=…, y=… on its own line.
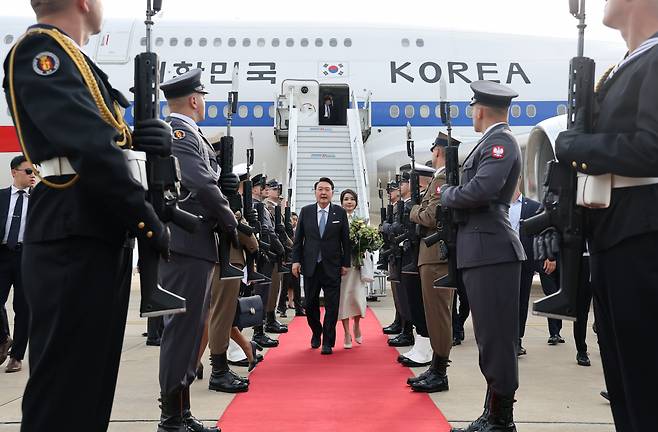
x=189, y=273
x=623, y=238
x=489, y=252
x=77, y=258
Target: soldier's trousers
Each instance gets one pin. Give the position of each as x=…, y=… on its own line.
x=438, y=308
x=625, y=287
x=274, y=289
x=181, y=338
x=223, y=303
x=493, y=294
x=77, y=291
x=411, y=291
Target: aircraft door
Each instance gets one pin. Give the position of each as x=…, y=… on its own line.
x=305, y=100
x=334, y=100
x=114, y=42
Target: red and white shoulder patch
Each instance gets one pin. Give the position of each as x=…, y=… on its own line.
x=498, y=152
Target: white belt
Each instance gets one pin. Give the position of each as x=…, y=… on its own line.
x=624, y=182
x=58, y=166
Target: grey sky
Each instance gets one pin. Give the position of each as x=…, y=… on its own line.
x=538, y=17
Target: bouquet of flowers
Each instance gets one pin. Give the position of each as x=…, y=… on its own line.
x=364, y=238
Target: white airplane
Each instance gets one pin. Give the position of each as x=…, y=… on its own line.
x=393, y=70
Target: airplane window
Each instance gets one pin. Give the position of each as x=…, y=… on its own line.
x=225, y=113
x=420, y=43
x=203, y=42
x=159, y=41
x=409, y=111
x=304, y=42
x=232, y=42
x=142, y=42
x=188, y=42
x=173, y=41
x=212, y=111
x=469, y=111
x=516, y=111
x=9, y=39
x=243, y=111
x=290, y=42
x=318, y=42
x=531, y=110
x=394, y=111
x=405, y=42
x=424, y=111
x=165, y=110
x=260, y=42
x=132, y=111
x=246, y=42
x=333, y=42
x=561, y=109
x=454, y=111
x=258, y=111
x=275, y=42
x=270, y=111
x=347, y=42
x=437, y=111
x=217, y=42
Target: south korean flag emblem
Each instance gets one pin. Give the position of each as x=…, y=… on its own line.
x=498, y=152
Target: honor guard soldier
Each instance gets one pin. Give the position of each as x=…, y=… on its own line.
x=77, y=251
x=489, y=252
x=437, y=302
x=272, y=325
x=623, y=237
x=267, y=235
x=223, y=300
x=395, y=328
x=193, y=255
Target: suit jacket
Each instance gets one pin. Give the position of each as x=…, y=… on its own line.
x=334, y=244
x=624, y=142
x=490, y=175
x=200, y=194
x=58, y=117
x=5, y=198
x=529, y=208
x=425, y=215
x=333, y=115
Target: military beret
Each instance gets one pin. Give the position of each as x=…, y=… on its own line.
x=492, y=94
x=183, y=85
x=442, y=140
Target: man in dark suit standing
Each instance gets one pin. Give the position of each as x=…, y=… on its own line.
x=13, y=211
x=321, y=252
x=328, y=114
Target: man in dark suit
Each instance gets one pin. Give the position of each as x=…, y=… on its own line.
x=623, y=238
x=13, y=211
x=321, y=252
x=328, y=112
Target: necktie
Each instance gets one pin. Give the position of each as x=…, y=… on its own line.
x=326, y=111
x=323, y=221
x=15, y=227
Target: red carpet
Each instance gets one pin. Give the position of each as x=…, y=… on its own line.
x=362, y=389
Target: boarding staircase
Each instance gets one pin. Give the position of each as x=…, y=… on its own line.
x=327, y=151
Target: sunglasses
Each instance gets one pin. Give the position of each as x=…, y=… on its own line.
x=28, y=171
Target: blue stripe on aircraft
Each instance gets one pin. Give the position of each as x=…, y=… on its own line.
x=523, y=113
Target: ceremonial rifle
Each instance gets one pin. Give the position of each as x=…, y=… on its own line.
x=560, y=224
x=163, y=174
x=411, y=237
x=248, y=205
x=280, y=229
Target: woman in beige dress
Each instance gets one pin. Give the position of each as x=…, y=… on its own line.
x=352, y=288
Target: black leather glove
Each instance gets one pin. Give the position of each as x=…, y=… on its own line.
x=161, y=241
x=546, y=245
x=153, y=137
x=567, y=138
x=251, y=216
x=229, y=183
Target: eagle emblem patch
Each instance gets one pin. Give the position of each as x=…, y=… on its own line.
x=179, y=134
x=45, y=63
x=498, y=152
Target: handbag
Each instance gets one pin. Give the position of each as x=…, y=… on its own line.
x=249, y=312
x=368, y=268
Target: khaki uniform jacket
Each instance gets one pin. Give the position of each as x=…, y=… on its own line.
x=248, y=243
x=424, y=214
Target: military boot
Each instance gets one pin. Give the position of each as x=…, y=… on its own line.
x=274, y=326
x=501, y=414
x=425, y=375
x=406, y=338
x=477, y=425
x=436, y=382
x=191, y=423
x=222, y=379
x=262, y=339
x=171, y=412
x=395, y=327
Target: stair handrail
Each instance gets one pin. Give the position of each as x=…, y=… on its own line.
x=358, y=160
x=292, y=150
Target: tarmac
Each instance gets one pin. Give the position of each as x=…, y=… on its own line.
x=555, y=393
